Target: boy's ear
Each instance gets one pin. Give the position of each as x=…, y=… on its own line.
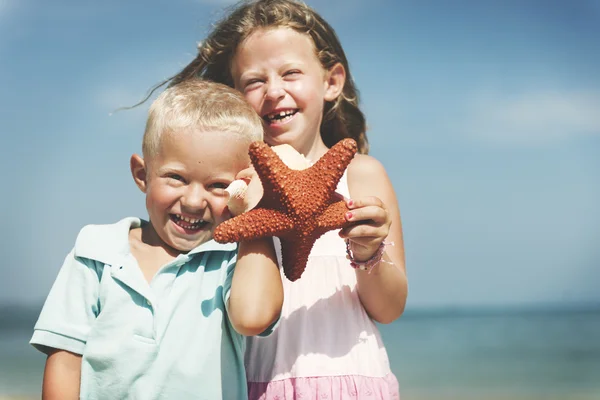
x=335, y=79
x=138, y=171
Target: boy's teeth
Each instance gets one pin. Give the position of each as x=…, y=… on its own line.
x=190, y=220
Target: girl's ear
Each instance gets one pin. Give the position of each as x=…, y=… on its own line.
x=138, y=171
x=335, y=79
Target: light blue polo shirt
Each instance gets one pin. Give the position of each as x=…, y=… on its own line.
x=170, y=339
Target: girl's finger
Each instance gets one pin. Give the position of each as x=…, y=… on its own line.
x=377, y=215
x=364, y=231
x=364, y=202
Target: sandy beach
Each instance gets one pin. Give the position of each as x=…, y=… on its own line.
x=5, y=397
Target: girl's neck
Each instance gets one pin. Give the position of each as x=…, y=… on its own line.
x=312, y=151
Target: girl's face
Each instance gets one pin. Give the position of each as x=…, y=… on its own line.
x=280, y=75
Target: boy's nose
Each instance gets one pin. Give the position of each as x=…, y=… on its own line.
x=195, y=198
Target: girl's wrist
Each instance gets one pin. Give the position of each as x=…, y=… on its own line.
x=371, y=262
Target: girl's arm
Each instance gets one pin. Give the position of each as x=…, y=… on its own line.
x=256, y=293
x=62, y=376
x=375, y=210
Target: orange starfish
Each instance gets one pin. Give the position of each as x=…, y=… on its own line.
x=298, y=206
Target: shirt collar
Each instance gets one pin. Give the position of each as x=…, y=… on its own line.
x=109, y=244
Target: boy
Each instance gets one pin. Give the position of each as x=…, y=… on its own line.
x=156, y=310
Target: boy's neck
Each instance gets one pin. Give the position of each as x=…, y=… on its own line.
x=149, y=250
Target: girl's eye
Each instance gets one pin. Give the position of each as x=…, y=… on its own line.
x=252, y=83
x=292, y=72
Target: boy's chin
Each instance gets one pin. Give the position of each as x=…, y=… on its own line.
x=187, y=246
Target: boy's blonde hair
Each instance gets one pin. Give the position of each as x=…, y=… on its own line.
x=203, y=105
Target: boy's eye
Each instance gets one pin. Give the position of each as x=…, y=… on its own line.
x=220, y=185
x=292, y=72
x=176, y=177
x=218, y=188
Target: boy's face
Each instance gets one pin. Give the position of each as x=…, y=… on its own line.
x=185, y=184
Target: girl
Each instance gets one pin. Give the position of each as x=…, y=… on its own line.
x=290, y=66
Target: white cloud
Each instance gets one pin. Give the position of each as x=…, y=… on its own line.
x=112, y=97
x=533, y=118
x=4, y=7
x=7, y=7
x=7, y=34
x=137, y=77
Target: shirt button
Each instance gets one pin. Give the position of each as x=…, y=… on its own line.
x=148, y=302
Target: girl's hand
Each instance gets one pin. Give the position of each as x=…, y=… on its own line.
x=370, y=226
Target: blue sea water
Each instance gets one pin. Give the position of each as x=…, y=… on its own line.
x=547, y=354
x=500, y=355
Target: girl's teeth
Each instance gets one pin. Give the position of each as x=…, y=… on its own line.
x=280, y=116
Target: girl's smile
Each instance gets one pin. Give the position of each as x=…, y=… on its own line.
x=280, y=117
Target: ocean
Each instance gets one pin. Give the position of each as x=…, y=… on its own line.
x=435, y=355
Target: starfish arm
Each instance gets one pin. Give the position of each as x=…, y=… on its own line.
x=332, y=217
x=294, y=256
x=271, y=170
x=332, y=165
x=256, y=223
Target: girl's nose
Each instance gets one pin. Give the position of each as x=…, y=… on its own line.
x=275, y=90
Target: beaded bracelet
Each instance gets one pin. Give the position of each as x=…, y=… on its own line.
x=369, y=264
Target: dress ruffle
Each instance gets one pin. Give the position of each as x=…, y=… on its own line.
x=327, y=388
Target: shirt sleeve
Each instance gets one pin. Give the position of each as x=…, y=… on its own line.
x=227, y=292
x=70, y=309
x=228, y=279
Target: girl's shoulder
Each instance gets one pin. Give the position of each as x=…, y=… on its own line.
x=364, y=166
x=367, y=176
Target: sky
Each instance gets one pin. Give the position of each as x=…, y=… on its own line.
x=486, y=115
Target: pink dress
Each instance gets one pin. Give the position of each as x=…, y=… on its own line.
x=325, y=345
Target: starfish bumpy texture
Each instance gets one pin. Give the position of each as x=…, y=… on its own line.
x=298, y=206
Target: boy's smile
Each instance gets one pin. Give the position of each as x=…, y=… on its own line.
x=187, y=224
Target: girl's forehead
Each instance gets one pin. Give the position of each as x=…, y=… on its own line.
x=276, y=35
x=275, y=45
